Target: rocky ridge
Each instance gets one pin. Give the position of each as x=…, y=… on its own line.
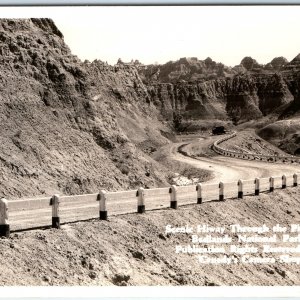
x=67, y=126
x=239, y=98
x=198, y=90
x=193, y=94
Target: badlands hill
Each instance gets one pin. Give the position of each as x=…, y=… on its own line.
x=193, y=90
x=69, y=126
x=206, y=89
x=73, y=127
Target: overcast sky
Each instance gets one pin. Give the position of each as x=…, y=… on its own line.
x=160, y=34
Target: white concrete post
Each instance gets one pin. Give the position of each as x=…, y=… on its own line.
x=4, y=224
x=141, y=200
x=173, y=196
x=102, y=198
x=199, y=193
x=257, y=184
x=221, y=191
x=240, y=189
x=295, y=177
x=54, y=201
x=283, y=181
x=271, y=184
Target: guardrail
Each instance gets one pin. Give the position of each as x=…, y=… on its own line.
x=33, y=213
x=251, y=156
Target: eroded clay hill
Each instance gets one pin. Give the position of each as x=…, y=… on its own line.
x=237, y=97
x=69, y=126
x=192, y=90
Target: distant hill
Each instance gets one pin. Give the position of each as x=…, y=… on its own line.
x=200, y=90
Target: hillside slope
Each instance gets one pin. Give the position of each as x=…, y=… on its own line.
x=67, y=126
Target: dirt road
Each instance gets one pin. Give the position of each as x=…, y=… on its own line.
x=231, y=169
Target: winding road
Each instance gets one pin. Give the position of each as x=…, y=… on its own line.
x=30, y=213
x=228, y=169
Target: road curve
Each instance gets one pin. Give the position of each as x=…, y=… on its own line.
x=229, y=169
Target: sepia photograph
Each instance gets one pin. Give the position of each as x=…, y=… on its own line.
x=150, y=146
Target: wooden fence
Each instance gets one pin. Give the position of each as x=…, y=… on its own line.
x=33, y=213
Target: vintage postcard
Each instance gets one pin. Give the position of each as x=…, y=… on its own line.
x=150, y=146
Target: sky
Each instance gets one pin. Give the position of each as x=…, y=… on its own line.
x=160, y=34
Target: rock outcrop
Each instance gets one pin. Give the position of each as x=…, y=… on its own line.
x=205, y=89
x=249, y=63
x=278, y=63
x=185, y=70
x=239, y=98
x=67, y=126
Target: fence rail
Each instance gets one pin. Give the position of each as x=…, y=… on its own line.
x=32, y=213
x=251, y=156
